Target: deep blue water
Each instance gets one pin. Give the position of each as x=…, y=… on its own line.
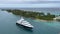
x=8, y=25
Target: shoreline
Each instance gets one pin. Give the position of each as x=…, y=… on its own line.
x=41, y=20
x=33, y=15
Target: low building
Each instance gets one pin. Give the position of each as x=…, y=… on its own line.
x=57, y=18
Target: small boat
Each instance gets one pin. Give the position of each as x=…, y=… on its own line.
x=24, y=23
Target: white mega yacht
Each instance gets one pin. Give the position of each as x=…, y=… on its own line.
x=24, y=23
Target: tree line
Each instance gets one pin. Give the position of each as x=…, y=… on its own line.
x=32, y=14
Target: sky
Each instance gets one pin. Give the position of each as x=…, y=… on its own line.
x=25, y=1
x=29, y=3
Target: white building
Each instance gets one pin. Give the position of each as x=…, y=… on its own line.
x=57, y=18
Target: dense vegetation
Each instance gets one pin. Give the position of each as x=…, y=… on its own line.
x=38, y=15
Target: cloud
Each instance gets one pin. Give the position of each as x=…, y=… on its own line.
x=25, y=1
x=30, y=5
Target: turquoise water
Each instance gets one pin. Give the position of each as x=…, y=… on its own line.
x=8, y=25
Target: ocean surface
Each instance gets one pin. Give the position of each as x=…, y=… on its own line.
x=8, y=25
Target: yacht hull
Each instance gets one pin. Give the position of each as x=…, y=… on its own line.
x=23, y=26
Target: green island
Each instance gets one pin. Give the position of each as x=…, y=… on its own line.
x=32, y=14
